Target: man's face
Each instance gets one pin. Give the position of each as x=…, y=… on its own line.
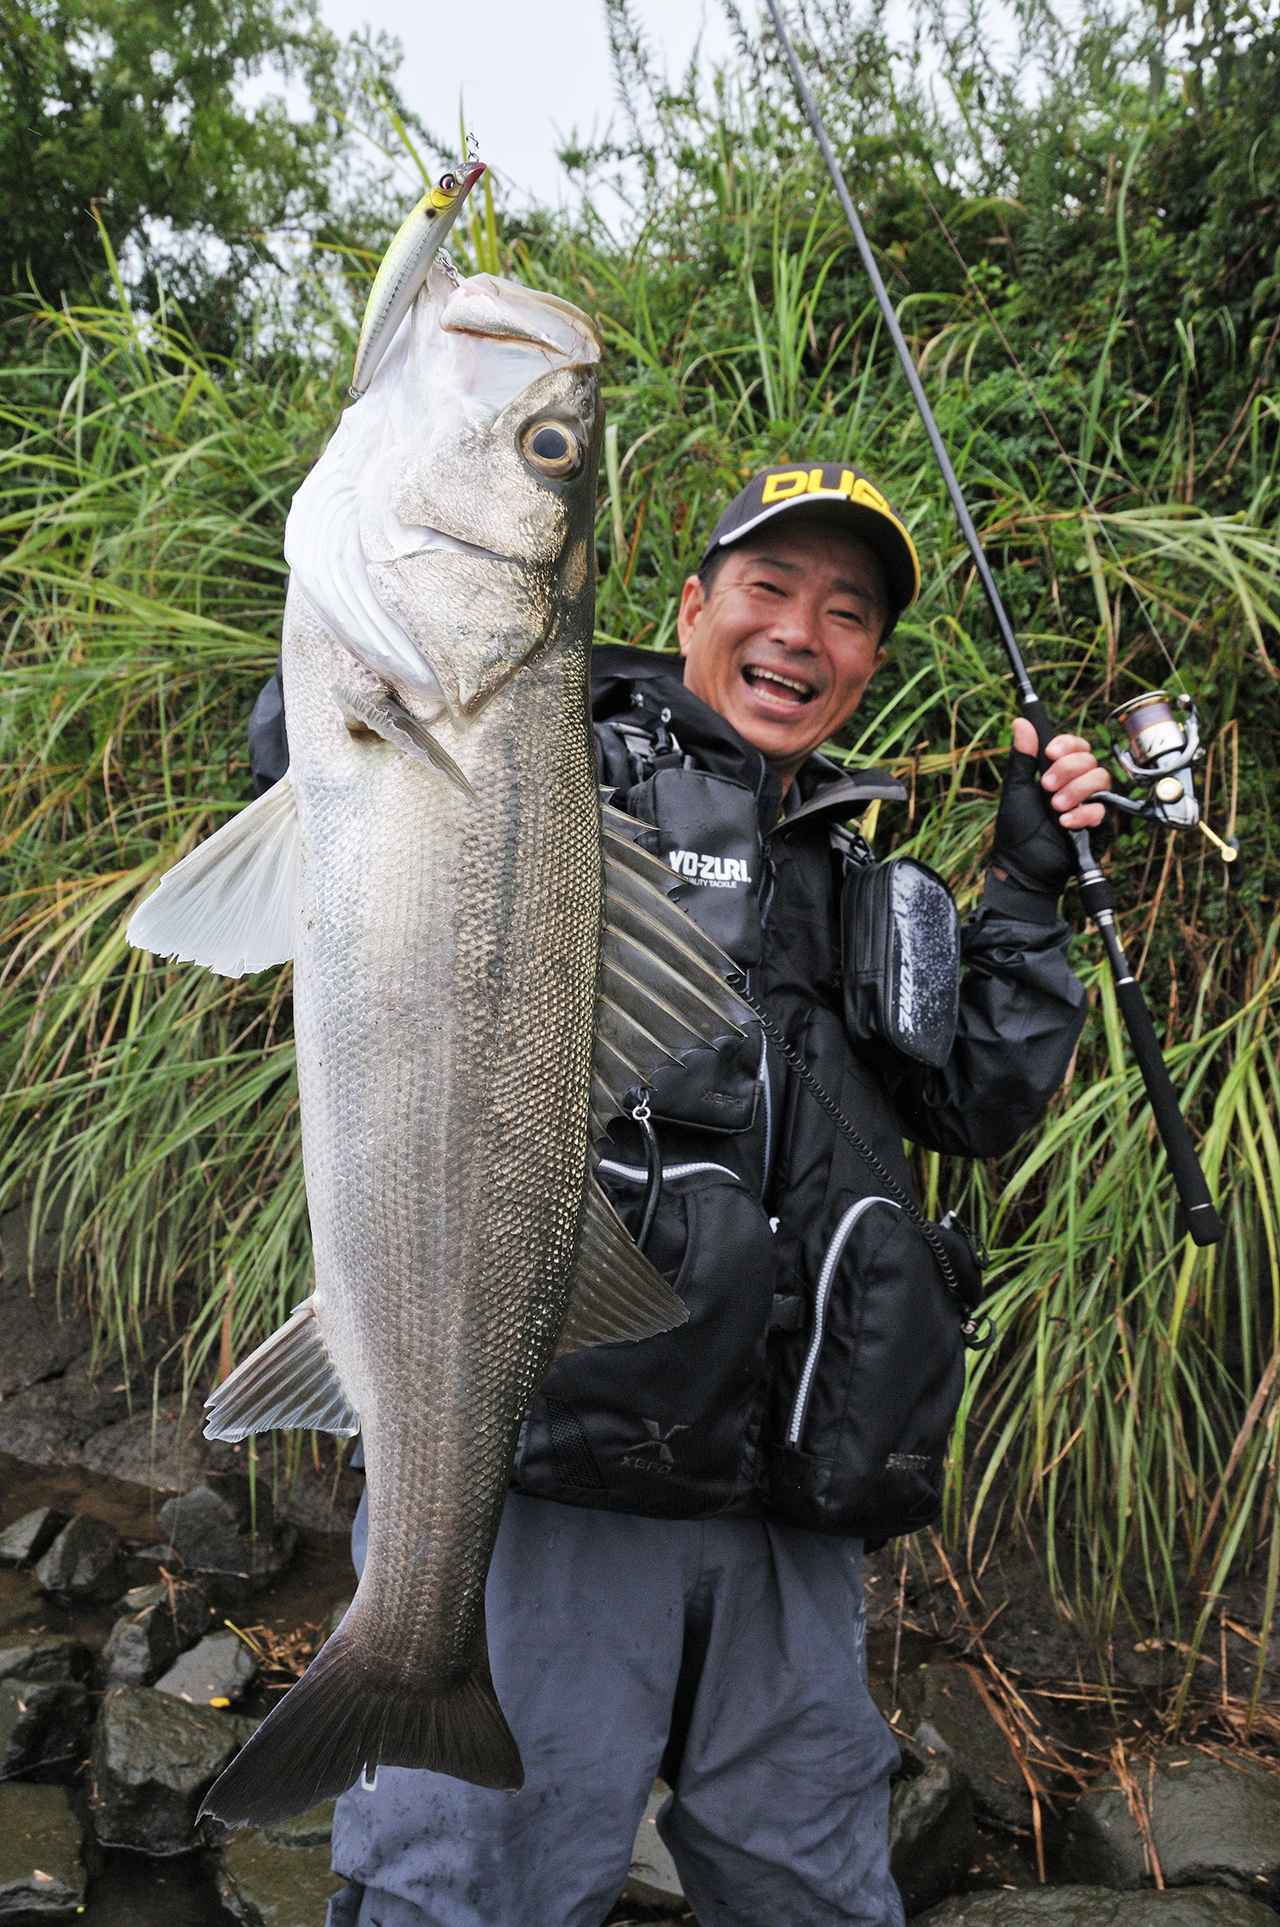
x=789, y=636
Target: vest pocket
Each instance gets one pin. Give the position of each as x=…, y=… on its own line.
x=670, y=1425
x=862, y=1401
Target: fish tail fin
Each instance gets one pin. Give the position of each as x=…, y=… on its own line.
x=350, y=1712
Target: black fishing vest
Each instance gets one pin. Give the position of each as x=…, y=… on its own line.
x=819, y=1372
x=821, y=1365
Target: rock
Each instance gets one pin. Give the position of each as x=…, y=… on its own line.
x=931, y=1823
x=142, y=1566
x=944, y=1695
x=221, y=1667
x=154, y=1759
x=164, y=1451
x=83, y=1562
x=221, y=1535
x=37, y=1342
x=17, y=1258
x=1213, y=1822
x=265, y=1885
x=203, y=1526
x=47, y=1418
x=148, y=1639
x=1100, y=1907
x=22, y=1543
x=310, y=1829
x=20, y=1601
x=41, y=1427
x=653, y=1880
x=41, y=1872
x=42, y=1722
x=44, y=1656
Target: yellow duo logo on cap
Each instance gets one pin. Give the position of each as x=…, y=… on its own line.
x=791, y=482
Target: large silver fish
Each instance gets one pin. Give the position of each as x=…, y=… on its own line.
x=482, y=968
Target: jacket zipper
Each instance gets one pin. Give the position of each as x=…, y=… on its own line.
x=762, y=1075
x=835, y=1251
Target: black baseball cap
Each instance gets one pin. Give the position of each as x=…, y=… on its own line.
x=841, y=494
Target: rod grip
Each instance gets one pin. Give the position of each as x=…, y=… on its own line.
x=1038, y=716
x=1203, y=1224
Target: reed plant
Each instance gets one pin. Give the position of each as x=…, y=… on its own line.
x=1128, y=487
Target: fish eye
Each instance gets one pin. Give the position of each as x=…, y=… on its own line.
x=551, y=448
x=448, y=183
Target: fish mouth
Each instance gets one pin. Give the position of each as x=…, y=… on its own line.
x=504, y=312
x=437, y=539
x=524, y=337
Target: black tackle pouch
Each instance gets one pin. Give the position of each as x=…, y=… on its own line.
x=864, y=1392
x=901, y=938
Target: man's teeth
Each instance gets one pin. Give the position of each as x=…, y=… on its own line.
x=802, y=689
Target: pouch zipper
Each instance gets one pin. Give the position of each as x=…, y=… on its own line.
x=835, y=1251
x=636, y=1173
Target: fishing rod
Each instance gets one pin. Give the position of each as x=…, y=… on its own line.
x=1162, y=749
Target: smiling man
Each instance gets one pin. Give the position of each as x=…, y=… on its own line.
x=784, y=625
x=676, y=1589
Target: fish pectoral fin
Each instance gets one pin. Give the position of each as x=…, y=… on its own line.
x=662, y=988
x=289, y=1381
x=387, y=717
x=615, y=1293
x=229, y=904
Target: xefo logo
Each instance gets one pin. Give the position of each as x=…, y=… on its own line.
x=714, y=872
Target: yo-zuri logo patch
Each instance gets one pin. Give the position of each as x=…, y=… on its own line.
x=716, y=872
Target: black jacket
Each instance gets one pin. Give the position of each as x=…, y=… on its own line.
x=821, y=1366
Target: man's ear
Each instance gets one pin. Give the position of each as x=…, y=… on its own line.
x=692, y=603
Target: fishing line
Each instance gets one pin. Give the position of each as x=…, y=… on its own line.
x=1148, y=727
x=1089, y=500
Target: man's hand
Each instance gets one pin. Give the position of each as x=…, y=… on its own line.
x=1073, y=776
x=1034, y=808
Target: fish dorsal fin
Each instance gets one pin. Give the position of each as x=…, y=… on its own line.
x=662, y=988
x=290, y=1381
x=229, y=904
x=615, y=1293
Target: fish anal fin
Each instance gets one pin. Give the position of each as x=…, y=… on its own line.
x=289, y=1381
x=385, y=715
x=229, y=904
x=616, y=1293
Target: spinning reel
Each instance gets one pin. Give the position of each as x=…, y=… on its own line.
x=1162, y=751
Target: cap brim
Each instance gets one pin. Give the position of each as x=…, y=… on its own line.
x=877, y=530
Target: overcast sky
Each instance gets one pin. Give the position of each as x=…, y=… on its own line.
x=531, y=72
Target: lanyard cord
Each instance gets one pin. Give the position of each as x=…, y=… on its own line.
x=824, y=1099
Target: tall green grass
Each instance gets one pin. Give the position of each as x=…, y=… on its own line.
x=1130, y=1416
